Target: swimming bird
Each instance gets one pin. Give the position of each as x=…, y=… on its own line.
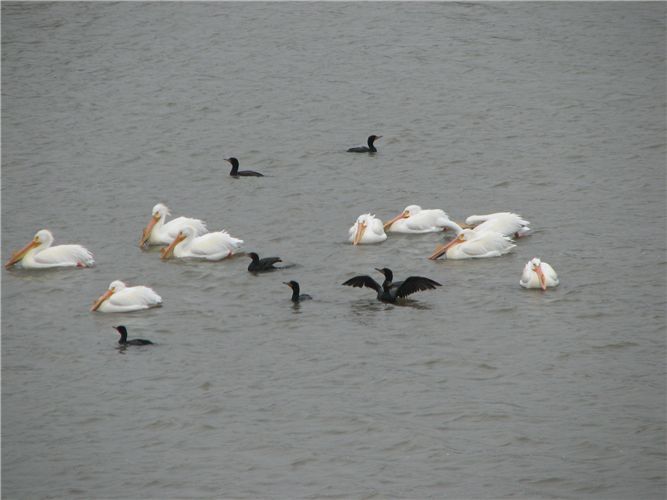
x=368, y=229
x=123, y=338
x=121, y=298
x=364, y=149
x=295, y=291
x=415, y=220
x=159, y=232
x=538, y=274
x=470, y=244
x=506, y=223
x=259, y=265
x=39, y=254
x=216, y=245
x=235, y=172
x=390, y=291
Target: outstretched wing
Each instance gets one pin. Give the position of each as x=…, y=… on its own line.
x=414, y=284
x=363, y=281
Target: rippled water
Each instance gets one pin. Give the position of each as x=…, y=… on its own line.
x=477, y=390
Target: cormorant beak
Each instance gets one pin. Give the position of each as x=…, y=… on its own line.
x=21, y=253
x=167, y=252
x=287, y=283
x=442, y=249
x=148, y=229
x=361, y=228
x=99, y=301
x=402, y=215
x=540, y=275
x=228, y=160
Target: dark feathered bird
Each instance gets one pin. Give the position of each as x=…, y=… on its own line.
x=295, y=291
x=235, y=172
x=364, y=149
x=265, y=264
x=123, y=338
x=389, y=291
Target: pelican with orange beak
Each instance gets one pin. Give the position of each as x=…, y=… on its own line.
x=416, y=220
x=538, y=274
x=39, y=254
x=368, y=229
x=470, y=244
x=211, y=246
x=159, y=232
x=121, y=298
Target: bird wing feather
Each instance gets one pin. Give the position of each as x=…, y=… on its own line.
x=414, y=284
x=363, y=281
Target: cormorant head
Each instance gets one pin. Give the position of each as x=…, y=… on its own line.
x=253, y=256
x=389, y=276
x=123, y=332
x=233, y=161
x=372, y=139
x=291, y=284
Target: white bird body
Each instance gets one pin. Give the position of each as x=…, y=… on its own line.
x=159, y=232
x=367, y=230
x=538, y=274
x=121, y=298
x=211, y=246
x=39, y=254
x=415, y=220
x=470, y=244
x=506, y=223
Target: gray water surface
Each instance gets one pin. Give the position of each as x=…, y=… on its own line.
x=479, y=389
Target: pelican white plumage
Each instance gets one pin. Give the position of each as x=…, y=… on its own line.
x=415, y=220
x=538, y=274
x=159, y=232
x=506, y=223
x=470, y=244
x=368, y=229
x=121, y=298
x=211, y=246
x=39, y=254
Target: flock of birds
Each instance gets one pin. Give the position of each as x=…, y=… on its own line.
x=480, y=236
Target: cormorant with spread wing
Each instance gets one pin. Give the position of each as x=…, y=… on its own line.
x=389, y=291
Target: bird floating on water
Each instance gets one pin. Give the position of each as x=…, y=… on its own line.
x=210, y=246
x=368, y=229
x=363, y=149
x=471, y=244
x=390, y=291
x=415, y=220
x=159, y=232
x=505, y=223
x=123, y=338
x=296, y=297
x=235, y=172
x=538, y=274
x=260, y=265
x=39, y=254
x=121, y=298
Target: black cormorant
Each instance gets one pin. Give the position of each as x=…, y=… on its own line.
x=389, y=291
x=235, y=172
x=364, y=149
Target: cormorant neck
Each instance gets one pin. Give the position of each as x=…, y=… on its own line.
x=370, y=144
x=295, y=293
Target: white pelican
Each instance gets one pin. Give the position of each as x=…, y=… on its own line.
x=39, y=254
x=121, y=298
x=470, y=244
x=367, y=229
x=416, y=220
x=157, y=232
x=506, y=223
x=538, y=274
x=210, y=246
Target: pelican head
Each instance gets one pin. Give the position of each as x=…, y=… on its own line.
x=42, y=238
x=536, y=265
x=463, y=236
x=362, y=223
x=185, y=233
x=114, y=287
x=408, y=211
x=160, y=211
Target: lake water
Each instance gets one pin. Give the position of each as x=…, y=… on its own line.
x=479, y=389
